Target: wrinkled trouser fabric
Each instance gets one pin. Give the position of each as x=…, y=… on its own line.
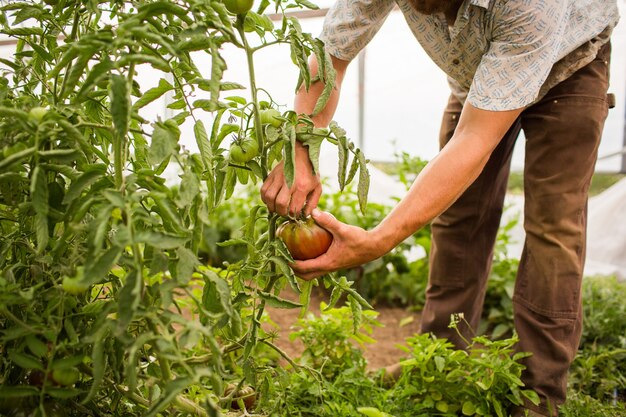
x=562, y=133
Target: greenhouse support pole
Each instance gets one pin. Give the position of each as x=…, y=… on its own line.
x=361, y=64
x=623, y=167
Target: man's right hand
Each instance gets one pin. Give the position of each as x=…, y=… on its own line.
x=303, y=195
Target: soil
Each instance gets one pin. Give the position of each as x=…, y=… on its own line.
x=383, y=352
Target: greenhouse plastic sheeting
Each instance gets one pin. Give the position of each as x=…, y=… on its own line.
x=606, y=236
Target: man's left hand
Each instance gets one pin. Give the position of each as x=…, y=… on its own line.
x=351, y=246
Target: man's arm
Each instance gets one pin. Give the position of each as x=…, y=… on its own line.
x=443, y=180
x=306, y=189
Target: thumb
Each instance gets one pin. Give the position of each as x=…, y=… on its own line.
x=326, y=220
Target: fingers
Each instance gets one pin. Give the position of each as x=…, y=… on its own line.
x=308, y=270
x=312, y=201
x=269, y=192
x=283, y=198
x=279, y=198
x=327, y=221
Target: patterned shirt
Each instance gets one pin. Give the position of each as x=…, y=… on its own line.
x=499, y=54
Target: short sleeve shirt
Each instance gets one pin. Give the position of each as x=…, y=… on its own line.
x=499, y=54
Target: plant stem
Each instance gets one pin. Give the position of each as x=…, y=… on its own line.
x=260, y=135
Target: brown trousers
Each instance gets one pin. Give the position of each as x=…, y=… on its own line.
x=562, y=132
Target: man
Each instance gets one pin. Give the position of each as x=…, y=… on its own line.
x=537, y=65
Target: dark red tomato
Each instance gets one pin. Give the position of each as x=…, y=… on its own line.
x=247, y=394
x=305, y=239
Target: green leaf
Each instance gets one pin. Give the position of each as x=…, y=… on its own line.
x=22, y=391
x=307, y=4
x=187, y=262
x=314, y=144
x=97, y=73
x=120, y=104
x=357, y=314
x=153, y=94
x=329, y=85
x=287, y=271
x=129, y=298
x=164, y=144
x=15, y=158
x=24, y=360
x=39, y=191
x=342, y=151
x=289, y=157
x=372, y=412
x=39, y=348
x=76, y=71
x=23, y=31
x=98, y=270
x=202, y=140
x=218, y=65
x=160, y=240
x=469, y=409
x=216, y=296
x=92, y=174
x=305, y=297
x=172, y=389
x=364, y=182
x=277, y=302
x=99, y=362
x=64, y=392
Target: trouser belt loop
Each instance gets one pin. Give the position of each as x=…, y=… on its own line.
x=610, y=97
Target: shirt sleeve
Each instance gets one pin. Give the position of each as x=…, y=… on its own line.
x=350, y=24
x=525, y=44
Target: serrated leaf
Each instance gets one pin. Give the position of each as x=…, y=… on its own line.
x=216, y=294
x=202, y=140
x=329, y=85
x=357, y=314
x=162, y=146
x=76, y=71
x=160, y=240
x=120, y=104
x=129, y=297
x=153, y=94
x=343, y=154
x=92, y=174
x=98, y=360
x=289, y=157
x=98, y=270
x=364, y=182
x=287, y=271
x=314, y=144
x=39, y=191
x=187, y=262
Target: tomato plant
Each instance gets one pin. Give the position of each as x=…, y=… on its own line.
x=305, y=239
x=103, y=286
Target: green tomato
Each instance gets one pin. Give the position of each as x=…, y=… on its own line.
x=238, y=6
x=75, y=285
x=271, y=116
x=36, y=114
x=243, y=151
x=65, y=377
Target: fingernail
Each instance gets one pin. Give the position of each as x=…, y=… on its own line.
x=316, y=212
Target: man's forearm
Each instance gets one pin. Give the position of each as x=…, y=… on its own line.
x=305, y=100
x=446, y=176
